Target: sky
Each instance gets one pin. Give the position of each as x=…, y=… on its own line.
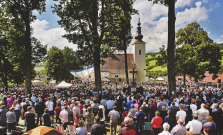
x=154, y=17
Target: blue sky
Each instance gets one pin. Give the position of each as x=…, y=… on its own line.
x=208, y=13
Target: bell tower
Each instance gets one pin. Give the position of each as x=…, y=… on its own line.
x=139, y=54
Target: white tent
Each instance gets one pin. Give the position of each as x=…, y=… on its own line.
x=63, y=84
x=160, y=79
x=88, y=73
x=53, y=82
x=36, y=81
x=151, y=79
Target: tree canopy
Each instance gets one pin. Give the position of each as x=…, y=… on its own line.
x=91, y=24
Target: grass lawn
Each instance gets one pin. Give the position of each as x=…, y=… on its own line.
x=38, y=68
x=159, y=68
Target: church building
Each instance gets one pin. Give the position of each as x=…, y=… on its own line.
x=136, y=62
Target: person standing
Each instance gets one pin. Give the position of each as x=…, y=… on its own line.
x=17, y=110
x=179, y=129
x=202, y=114
x=181, y=114
x=81, y=130
x=49, y=104
x=30, y=118
x=140, y=119
x=11, y=119
x=39, y=108
x=156, y=123
x=194, y=126
x=114, y=116
x=64, y=117
x=3, y=118
x=128, y=128
x=98, y=128
x=46, y=118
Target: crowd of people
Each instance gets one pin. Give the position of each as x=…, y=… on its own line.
x=193, y=111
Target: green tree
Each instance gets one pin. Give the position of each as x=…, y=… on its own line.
x=170, y=44
x=71, y=62
x=55, y=63
x=23, y=11
x=124, y=36
x=91, y=25
x=197, y=53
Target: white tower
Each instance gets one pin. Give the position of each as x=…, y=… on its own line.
x=139, y=54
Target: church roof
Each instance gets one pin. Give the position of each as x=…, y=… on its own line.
x=116, y=64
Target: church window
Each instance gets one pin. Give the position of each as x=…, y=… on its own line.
x=140, y=52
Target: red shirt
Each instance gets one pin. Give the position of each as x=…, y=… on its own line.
x=157, y=121
x=57, y=110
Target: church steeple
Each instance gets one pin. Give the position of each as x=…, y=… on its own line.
x=139, y=35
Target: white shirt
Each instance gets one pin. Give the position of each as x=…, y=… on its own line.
x=195, y=126
x=64, y=116
x=193, y=108
x=165, y=133
x=181, y=115
x=103, y=110
x=49, y=105
x=76, y=110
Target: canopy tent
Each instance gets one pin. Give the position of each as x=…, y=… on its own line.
x=53, y=82
x=88, y=73
x=36, y=81
x=43, y=130
x=159, y=79
x=63, y=84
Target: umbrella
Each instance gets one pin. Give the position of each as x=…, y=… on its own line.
x=43, y=130
x=210, y=87
x=63, y=84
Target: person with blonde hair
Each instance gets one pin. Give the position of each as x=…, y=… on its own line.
x=17, y=110
x=181, y=114
x=89, y=118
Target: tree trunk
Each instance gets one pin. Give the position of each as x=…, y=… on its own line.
x=126, y=67
x=5, y=73
x=28, y=52
x=171, y=48
x=184, y=80
x=97, y=70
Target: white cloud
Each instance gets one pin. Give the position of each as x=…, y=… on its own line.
x=198, y=13
x=183, y=3
x=154, y=18
x=51, y=37
x=220, y=40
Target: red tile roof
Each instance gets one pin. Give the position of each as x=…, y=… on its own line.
x=116, y=64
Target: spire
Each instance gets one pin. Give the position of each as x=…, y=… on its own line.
x=139, y=36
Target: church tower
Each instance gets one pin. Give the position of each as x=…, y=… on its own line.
x=139, y=54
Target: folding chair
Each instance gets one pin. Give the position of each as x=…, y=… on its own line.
x=71, y=129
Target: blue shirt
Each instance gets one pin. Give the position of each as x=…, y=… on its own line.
x=140, y=117
x=110, y=104
x=128, y=104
